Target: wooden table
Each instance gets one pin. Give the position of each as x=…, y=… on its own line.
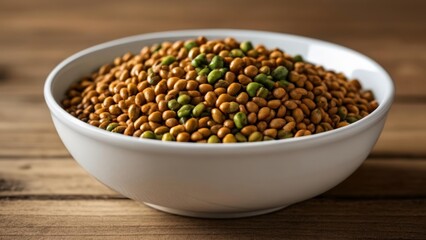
x=45, y=194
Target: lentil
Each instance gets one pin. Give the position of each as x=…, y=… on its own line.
x=240, y=120
x=229, y=138
x=213, y=139
x=255, y=137
x=214, y=75
x=216, y=91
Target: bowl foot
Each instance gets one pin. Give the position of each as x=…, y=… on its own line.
x=213, y=215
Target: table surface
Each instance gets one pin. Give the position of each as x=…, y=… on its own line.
x=44, y=193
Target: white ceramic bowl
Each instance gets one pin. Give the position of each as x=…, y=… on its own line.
x=221, y=180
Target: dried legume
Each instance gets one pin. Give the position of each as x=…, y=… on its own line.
x=218, y=91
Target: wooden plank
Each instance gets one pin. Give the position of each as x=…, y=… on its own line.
x=404, y=133
x=133, y=13
x=40, y=177
x=32, y=144
x=63, y=178
x=119, y=219
x=384, y=178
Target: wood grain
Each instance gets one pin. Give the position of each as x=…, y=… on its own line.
x=119, y=219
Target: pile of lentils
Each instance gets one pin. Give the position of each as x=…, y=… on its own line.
x=216, y=91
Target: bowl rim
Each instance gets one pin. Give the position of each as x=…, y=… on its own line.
x=127, y=141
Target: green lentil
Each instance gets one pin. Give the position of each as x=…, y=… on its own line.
x=111, y=126
x=283, y=83
x=167, y=137
x=246, y=46
x=262, y=92
x=351, y=119
x=189, y=45
x=168, y=60
x=240, y=137
x=204, y=72
x=185, y=111
x=199, y=60
x=217, y=62
x=198, y=109
x=255, y=137
x=240, y=120
x=252, y=88
x=213, y=139
x=264, y=80
x=173, y=105
x=148, y=134
x=280, y=73
x=183, y=99
x=213, y=76
x=298, y=58
x=236, y=53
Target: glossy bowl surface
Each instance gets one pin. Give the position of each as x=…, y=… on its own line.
x=221, y=180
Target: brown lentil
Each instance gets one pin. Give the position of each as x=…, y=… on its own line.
x=205, y=132
x=196, y=136
x=274, y=104
x=247, y=130
x=271, y=132
x=177, y=129
x=229, y=138
x=251, y=71
x=210, y=98
x=183, y=137
x=191, y=125
x=166, y=92
x=217, y=115
x=233, y=89
x=262, y=125
x=242, y=98
x=277, y=123
x=244, y=80
x=171, y=122
x=302, y=132
x=223, y=131
x=161, y=130
x=263, y=113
